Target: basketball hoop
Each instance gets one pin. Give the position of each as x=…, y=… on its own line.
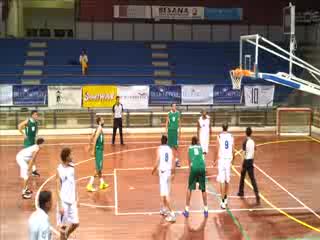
x=237, y=75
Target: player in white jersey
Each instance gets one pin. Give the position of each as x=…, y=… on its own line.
x=26, y=158
x=166, y=169
x=225, y=155
x=67, y=214
x=39, y=222
x=204, y=131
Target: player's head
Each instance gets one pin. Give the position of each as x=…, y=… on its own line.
x=117, y=99
x=225, y=127
x=194, y=140
x=100, y=121
x=40, y=141
x=203, y=112
x=164, y=140
x=173, y=106
x=248, y=131
x=65, y=155
x=83, y=52
x=34, y=114
x=45, y=200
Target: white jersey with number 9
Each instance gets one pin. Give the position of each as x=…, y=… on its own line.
x=226, y=145
x=165, y=154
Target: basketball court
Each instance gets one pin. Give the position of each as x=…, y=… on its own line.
x=286, y=171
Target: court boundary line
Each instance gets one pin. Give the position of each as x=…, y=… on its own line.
x=115, y=183
x=212, y=211
x=265, y=199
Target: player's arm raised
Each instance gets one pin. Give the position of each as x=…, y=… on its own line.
x=155, y=168
x=21, y=126
x=97, y=134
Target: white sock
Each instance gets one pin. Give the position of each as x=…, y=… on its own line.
x=187, y=208
x=24, y=190
x=34, y=168
x=177, y=160
x=206, y=208
x=101, y=180
x=91, y=180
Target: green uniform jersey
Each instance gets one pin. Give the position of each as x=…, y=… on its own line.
x=196, y=157
x=173, y=120
x=99, y=151
x=31, y=130
x=198, y=168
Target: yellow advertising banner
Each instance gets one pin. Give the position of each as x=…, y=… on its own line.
x=99, y=96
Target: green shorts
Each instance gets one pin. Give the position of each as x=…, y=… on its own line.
x=28, y=142
x=173, y=138
x=197, y=175
x=99, y=159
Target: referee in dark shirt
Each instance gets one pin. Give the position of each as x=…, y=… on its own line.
x=249, y=148
x=117, y=110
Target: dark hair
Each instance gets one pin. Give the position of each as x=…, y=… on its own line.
x=248, y=131
x=40, y=141
x=65, y=153
x=98, y=120
x=194, y=140
x=164, y=139
x=225, y=127
x=117, y=97
x=44, y=197
x=33, y=112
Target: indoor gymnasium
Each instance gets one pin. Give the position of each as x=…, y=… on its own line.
x=159, y=120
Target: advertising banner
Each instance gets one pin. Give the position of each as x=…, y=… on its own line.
x=134, y=97
x=223, y=14
x=197, y=94
x=102, y=96
x=64, y=97
x=6, y=98
x=224, y=94
x=164, y=95
x=259, y=95
x=177, y=12
x=132, y=11
x=30, y=95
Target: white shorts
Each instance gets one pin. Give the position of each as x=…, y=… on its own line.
x=70, y=215
x=204, y=144
x=165, y=183
x=23, y=167
x=224, y=170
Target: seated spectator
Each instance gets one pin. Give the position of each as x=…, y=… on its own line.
x=84, y=62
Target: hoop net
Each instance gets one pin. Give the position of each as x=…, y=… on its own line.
x=236, y=76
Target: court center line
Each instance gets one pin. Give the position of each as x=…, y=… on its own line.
x=212, y=211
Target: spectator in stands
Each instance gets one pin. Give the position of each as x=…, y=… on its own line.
x=83, y=59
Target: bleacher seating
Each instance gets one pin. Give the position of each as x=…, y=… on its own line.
x=112, y=62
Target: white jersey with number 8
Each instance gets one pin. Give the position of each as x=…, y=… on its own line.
x=165, y=161
x=226, y=142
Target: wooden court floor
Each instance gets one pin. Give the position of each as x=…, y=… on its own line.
x=287, y=172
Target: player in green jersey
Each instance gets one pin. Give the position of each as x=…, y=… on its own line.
x=30, y=127
x=97, y=143
x=173, y=130
x=197, y=175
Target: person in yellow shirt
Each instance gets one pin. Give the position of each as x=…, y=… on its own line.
x=83, y=59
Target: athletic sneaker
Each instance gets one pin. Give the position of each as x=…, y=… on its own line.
x=206, y=213
x=91, y=188
x=178, y=164
x=223, y=205
x=163, y=212
x=171, y=217
x=26, y=196
x=185, y=213
x=35, y=174
x=226, y=202
x=28, y=191
x=103, y=186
